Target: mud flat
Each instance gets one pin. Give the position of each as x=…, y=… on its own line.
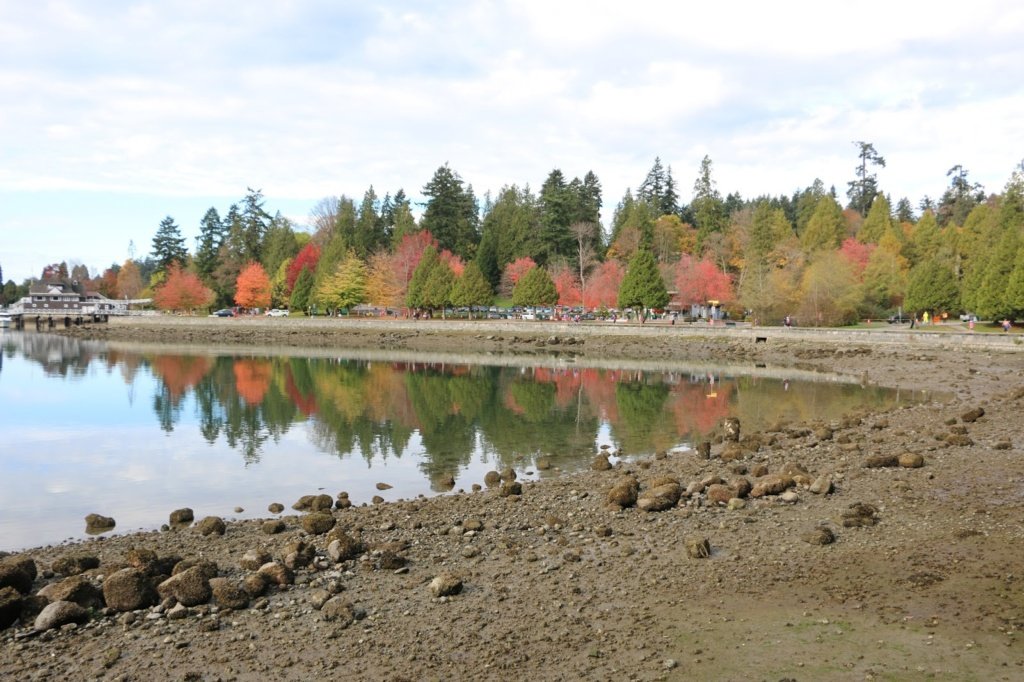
x=877, y=546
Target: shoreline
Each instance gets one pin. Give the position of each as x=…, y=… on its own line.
x=559, y=585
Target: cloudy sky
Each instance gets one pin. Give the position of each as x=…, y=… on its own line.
x=114, y=114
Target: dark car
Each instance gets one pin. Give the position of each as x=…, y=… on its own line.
x=223, y=312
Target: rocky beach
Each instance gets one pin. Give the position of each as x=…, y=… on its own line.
x=879, y=546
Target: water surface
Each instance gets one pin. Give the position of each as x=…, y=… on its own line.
x=135, y=432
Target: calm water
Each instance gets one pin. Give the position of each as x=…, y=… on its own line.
x=134, y=433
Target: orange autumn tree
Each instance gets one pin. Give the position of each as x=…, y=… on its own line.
x=252, y=288
x=182, y=290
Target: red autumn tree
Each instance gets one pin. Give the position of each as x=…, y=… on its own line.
x=513, y=272
x=182, y=290
x=453, y=262
x=567, y=285
x=603, y=285
x=252, y=288
x=308, y=258
x=857, y=254
x=701, y=281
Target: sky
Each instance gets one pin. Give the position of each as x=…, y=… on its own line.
x=117, y=113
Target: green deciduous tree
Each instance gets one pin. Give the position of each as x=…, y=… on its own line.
x=346, y=287
x=643, y=286
x=829, y=293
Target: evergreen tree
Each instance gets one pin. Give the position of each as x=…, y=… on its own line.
x=509, y=231
x=1015, y=288
x=416, y=295
x=643, y=286
x=370, y=234
x=589, y=208
x=925, y=239
x=556, y=214
x=904, y=211
x=825, y=229
x=471, y=289
x=878, y=222
x=280, y=244
x=992, y=301
x=254, y=225
x=535, y=288
x=806, y=202
x=211, y=233
x=451, y=213
x=862, y=191
x=959, y=199
x=707, y=206
x=168, y=245
x=931, y=286
x=302, y=291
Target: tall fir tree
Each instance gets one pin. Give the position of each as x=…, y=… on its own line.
x=211, y=234
x=863, y=189
x=168, y=245
x=707, y=206
x=451, y=213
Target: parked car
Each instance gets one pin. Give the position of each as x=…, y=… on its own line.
x=276, y=312
x=223, y=312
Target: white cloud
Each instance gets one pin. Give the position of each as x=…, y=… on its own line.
x=307, y=99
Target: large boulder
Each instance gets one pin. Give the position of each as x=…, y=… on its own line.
x=60, y=613
x=18, y=572
x=660, y=498
x=731, y=429
x=343, y=547
x=276, y=573
x=128, y=589
x=228, y=594
x=445, y=585
x=318, y=523
x=76, y=589
x=772, y=484
x=211, y=525
x=254, y=558
x=75, y=564
x=10, y=606
x=313, y=503
x=191, y=587
x=338, y=610
x=179, y=517
x=624, y=492
x=97, y=523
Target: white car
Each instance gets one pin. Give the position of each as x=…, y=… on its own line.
x=277, y=312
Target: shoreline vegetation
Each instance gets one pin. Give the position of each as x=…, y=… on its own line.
x=877, y=546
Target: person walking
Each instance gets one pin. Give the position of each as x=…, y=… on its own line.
x=1006, y=325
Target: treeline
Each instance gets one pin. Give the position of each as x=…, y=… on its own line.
x=808, y=255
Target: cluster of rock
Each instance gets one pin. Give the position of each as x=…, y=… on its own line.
x=144, y=584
